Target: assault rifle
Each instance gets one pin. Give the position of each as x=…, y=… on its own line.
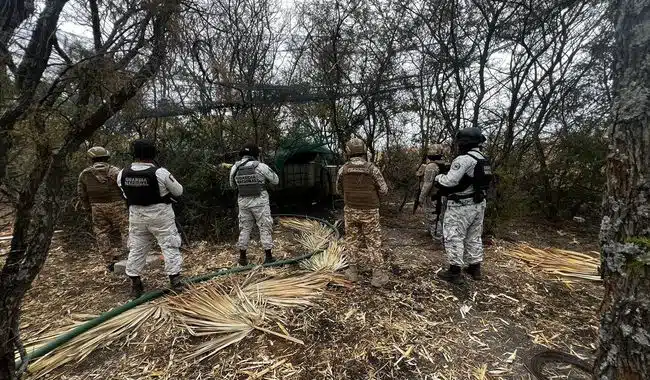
x=444, y=169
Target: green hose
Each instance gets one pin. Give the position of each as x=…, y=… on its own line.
x=66, y=337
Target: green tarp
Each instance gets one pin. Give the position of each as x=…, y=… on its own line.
x=295, y=151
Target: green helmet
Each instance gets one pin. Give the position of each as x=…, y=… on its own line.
x=355, y=146
x=98, y=152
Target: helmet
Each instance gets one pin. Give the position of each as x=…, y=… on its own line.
x=469, y=136
x=144, y=149
x=250, y=149
x=98, y=152
x=355, y=147
x=436, y=150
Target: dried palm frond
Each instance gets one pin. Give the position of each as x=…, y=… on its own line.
x=314, y=236
x=299, y=224
x=316, y=240
x=209, y=310
x=311, y=242
x=330, y=260
x=104, y=335
x=557, y=261
x=288, y=291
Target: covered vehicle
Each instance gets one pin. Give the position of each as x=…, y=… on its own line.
x=307, y=174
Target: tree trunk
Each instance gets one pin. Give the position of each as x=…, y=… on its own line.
x=37, y=206
x=624, y=351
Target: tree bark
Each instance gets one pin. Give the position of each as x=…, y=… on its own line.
x=37, y=207
x=624, y=351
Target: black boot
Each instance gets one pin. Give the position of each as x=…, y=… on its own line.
x=474, y=270
x=137, y=288
x=243, y=260
x=176, y=282
x=452, y=275
x=110, y=267
x=268, y=257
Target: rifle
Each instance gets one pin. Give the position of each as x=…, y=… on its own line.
x=438, y=198
x=176, y=201
x=416, y=201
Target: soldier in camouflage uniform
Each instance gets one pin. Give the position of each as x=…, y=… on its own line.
x=431, y=200
x=361, y=184
x=249, y=177
x=465, y=184
x=100, y=194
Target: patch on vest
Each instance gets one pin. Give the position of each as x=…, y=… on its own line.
x=136, y=182
x=247, y=179
x=357, y=169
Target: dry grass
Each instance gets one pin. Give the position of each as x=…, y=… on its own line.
x=560, y=262
x=299, y=224
x=418, y=328
x=114, y=330
x=207, y=310
x=313, y=236
x=288, y=291
x=331, y=259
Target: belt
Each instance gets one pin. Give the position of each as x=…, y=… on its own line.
x=456, y=198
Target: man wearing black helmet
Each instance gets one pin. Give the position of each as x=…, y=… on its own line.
x=465, y=184
x=249, y=177
x=148, y=190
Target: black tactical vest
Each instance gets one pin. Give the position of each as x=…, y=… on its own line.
x=248, y=181
x=141, y=187
x=480, y=181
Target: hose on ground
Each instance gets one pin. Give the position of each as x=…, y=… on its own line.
x=154, y=294
x=535, y=365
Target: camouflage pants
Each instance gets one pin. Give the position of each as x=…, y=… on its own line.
x=110, y=221
x=248, y=217
x=362, y=226
x=432, y=221
x=462, y=232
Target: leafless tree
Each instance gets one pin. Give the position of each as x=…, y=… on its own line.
x=98, y=80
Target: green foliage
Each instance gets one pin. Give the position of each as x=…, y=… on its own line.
x=570, y=184
x=640, y=241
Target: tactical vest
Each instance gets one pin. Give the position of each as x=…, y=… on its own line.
x=141, y=187
x=248, y=180
x=101, y=187
x=480, y=181
x=359, y=187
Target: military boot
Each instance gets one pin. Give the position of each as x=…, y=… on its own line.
x=243, y=260
x=268, y=257
x=380, y=278
x=451, y=275
x=474, y=270
x=351, y=273
x=176, y=282
x=137, y=288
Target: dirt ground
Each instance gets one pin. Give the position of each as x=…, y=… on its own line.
x=416, y=328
